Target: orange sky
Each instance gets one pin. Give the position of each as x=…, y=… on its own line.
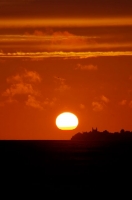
x=53, y=61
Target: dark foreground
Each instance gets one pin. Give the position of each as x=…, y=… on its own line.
x=57, y=165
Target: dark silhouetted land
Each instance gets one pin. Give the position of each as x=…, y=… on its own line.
x=104, y=136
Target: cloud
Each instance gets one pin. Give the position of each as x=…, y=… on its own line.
x=32, y=102
x=48, y=40
x=97, y=106
x=100, y=104
x=22, y=87
x=65, y=40
x=27, y=76
x=62, y=86
x=62, y=80
x=50, y=103
x=15, y=79
x=38, y=33
x=19, y=89
x=105, y=99
x=64, y=22
x=87, y=67
x=32, y=76
x=11, y=100
x=51, y=40
x=35, y=59
x=22, y=84
x=123, y=102
x=82, y=106
x=64, y=54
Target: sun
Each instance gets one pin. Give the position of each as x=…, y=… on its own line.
x=67, y=121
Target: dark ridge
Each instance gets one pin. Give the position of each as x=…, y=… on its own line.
x=104, y=136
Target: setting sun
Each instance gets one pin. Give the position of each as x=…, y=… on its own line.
x=67, y=121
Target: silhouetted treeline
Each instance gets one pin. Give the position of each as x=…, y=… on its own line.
x=96, y=135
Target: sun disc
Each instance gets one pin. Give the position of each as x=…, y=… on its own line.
x=67, y=121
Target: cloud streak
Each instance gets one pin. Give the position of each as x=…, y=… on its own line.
x=48, y=40
x=65, y=22
x=87, y=67
x=62, y=40
x=62, y=54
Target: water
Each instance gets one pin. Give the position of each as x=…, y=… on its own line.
x=60, y=164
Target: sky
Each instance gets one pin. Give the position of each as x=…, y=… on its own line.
x=64, y=56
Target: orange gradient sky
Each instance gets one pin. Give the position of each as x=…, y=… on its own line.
x=64, y=57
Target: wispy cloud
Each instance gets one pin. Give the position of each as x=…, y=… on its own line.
x=61, y=54
x=61, y=84
x=27, y=76
x=32, y=76
x=97, y=106
x=100, y=104
x=66, y=40
x=86, y=67
x=19, y=89
x=63, y=87
x=48, y=40
x=33, y=102
x=105, y=99
x=49, y=102
x=64, y=22
x=22, y=87
x=82, y=106
x=62, y=80
x=21, y=84
x=123, y=102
